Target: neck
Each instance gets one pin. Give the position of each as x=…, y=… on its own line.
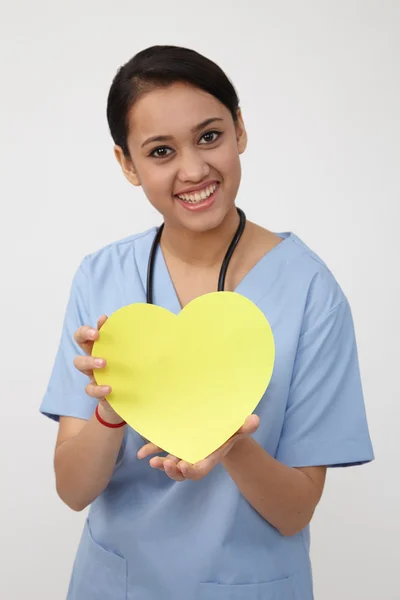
x=200, y=249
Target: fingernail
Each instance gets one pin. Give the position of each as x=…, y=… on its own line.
x=92, y=331
x=106, y=389
x=98, y=362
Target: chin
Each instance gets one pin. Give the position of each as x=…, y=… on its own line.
x=207, y=220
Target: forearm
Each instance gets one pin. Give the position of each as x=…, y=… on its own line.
x=284, y=496
x=84, y=464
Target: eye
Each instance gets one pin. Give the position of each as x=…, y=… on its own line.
x=162, y=151
x=211, y=133
x=158, y=150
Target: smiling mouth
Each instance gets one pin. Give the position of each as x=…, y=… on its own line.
x=198, y=197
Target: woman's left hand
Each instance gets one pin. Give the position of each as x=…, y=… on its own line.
x=179, y=470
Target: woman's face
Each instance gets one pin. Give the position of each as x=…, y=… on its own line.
x=195, y=155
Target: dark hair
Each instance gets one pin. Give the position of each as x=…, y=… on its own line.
x=160, y=66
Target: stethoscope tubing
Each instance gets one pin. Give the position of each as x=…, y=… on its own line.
x=224, y=266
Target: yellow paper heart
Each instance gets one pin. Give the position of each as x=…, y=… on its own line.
x=187, y=382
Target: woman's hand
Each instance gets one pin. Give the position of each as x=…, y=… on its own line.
x=179, y=470
x=85, y=337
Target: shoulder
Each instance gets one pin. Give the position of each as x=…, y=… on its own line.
x=113, y=275
x=312, y=279
x=118, y=252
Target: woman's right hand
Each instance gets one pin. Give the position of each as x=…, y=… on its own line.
x=85, y=337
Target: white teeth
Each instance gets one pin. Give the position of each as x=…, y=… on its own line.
x=196, y=197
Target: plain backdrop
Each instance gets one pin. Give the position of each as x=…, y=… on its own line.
x=319, y=87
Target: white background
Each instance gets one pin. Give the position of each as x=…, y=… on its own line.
x=320, y=92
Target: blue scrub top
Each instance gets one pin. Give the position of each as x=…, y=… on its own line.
x=148, y=537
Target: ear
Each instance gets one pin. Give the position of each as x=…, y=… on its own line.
x=241, y=133
x=127, y=166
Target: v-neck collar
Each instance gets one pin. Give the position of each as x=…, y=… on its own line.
x=254, y=284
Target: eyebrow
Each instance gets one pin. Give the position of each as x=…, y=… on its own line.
x=165, y=138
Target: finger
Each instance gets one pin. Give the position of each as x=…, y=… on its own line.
x=97, y=391
x=175, y=459
x=148, y=449
x=157, y=463
x=251, y=425
x=160, y=460
x=203, y=467
x=86, y=364
x=172, y=470
x=198, y=470
x=101, y=320
x=85, y=337
x=169, y=464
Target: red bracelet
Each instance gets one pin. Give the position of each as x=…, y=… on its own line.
x=103, y=422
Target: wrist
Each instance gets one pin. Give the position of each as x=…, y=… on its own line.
x=239, y=444
x=108, y=415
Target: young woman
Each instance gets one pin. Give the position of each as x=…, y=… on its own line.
x=235, y=525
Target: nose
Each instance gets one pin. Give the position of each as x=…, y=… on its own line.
x=192, y=166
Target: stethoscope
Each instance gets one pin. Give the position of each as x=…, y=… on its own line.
x=224, y=266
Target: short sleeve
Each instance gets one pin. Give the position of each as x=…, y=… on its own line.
x=325, y=421
x=65, y=394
